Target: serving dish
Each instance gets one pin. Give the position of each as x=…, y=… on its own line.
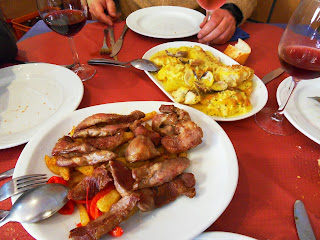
x=33, y=95
x=258, y=97
x=213, y=162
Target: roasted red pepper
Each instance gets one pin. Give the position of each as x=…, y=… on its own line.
x=68, y=208
x=94, y=211
x=56, y=179
x=116, y=232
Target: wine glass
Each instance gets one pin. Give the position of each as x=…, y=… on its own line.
x=210, y=5
x=299, y=55
x=67, y=18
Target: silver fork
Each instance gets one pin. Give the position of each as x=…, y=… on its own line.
x=105, y=49
x=21, y=184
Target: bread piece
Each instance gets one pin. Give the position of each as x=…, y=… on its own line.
x=239, y=52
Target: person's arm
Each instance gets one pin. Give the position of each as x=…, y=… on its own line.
x=8, y=49
x=224, y=20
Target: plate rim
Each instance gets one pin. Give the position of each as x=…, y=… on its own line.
x=28, y=151
x=258, y=82
x=77, y=84
x=134, y=14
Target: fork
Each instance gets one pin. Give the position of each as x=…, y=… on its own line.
x=105, y=49
x=21, y=184
x=315, y=98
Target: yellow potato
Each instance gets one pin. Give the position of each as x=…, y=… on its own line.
x=86, y=170
x=75, y=178
x=149, y=116
x=84, y=217
x=104, y=204
x=64, y=172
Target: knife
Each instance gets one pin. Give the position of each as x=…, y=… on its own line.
x=272, y=75
x=117, y=46
x=6, y=174
x=112, y=41
x=303, y=225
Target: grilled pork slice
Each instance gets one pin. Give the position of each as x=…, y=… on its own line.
x=156, y=197
x=110, y=143
x=86, y=159
x=141, y=148
x=155, y=174
x=122, y=175
x=105, y=131
x=107, y=119
x=91, y=185
x=105, y=223
x=68, y=147
x=138, y=129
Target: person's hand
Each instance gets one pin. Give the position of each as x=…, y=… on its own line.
x=219, y=29
x=97, y=8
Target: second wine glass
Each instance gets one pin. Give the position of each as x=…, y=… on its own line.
x=210, y=5
x=67, y=18
x=299, y=55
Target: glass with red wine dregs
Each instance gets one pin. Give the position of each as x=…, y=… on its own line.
x=67, y=18
x=299, y=55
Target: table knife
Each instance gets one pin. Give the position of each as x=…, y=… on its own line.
x=272, y=75
x=117, y=46
x=303, y=225
x=6, y=174
x=112, y=41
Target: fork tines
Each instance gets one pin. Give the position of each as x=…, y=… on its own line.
x=105, y=49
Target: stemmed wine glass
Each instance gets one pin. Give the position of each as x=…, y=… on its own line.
x=67, y=18
x=299, y=55
x=210, y=5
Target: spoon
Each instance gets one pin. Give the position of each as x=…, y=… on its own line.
x=142, y=64
x=37, y=204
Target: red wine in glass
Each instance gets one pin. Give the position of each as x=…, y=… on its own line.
x=66, y=22
x=67, y=18
x=301, y=62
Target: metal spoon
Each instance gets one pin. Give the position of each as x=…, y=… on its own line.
x=37, y=204
x=142, y=64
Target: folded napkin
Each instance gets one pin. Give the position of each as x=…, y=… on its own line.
x=239, y=33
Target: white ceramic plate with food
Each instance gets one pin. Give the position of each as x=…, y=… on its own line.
x=32, y=95
x=258, y=97
x=302, y=111
x=165, y=22
x=222, y=236
x=213, y=162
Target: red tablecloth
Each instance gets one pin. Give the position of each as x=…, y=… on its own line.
x=274, y=170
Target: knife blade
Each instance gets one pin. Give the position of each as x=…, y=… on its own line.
x=303, y=225
x=117, y=46
x=112, y=41
x=272, y=75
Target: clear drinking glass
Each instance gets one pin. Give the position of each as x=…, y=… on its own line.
x=210, y=5
x=67, y=18
x=299, y=55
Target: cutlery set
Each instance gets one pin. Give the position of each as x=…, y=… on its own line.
x=115, y=47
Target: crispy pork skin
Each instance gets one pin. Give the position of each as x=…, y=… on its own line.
x=122, y=175
x=155, y=174
x=141, y=148
x=91, y=185
x=107, y=119
x=156, y=197
x=105, y=223
x=66, y=146
x=86, y=159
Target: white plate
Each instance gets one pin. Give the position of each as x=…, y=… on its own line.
x=32, y=95
x=222, y=236
x=214, y=164
x=165, y=22
x=302, y=112
x=259, y=95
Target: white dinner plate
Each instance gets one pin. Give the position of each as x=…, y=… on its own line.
x=165, y=22
x=222, y=236
x=213, y=162
x=302, y=112
x=258, y=97
x=32, y=95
